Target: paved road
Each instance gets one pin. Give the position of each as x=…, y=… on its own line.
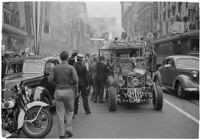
x=178, y=119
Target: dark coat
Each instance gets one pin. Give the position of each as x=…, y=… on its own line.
x=82, y=74
x=102, y=72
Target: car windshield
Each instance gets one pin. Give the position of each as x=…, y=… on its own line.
x=187, y=63
x=33, y=66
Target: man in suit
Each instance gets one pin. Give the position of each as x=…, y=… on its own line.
x=83, y=85
x=101, y=76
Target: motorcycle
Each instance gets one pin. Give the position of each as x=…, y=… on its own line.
x=20, y=114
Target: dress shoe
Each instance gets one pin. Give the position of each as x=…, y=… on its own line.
x=73, y=116
x=68, y=134
x=88, y=113
x=62, y=137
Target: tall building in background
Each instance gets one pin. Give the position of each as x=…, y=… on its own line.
x=65, y=27
x=158, y=19
x=139, y=18
x=177, y=17
x=22, y=26
x=17, y=26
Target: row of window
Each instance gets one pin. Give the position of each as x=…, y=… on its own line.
x=165, y=48
x=173, y=9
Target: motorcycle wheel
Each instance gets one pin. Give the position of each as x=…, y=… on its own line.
x=36, y=129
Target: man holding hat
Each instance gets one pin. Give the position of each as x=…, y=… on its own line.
x=83, y=85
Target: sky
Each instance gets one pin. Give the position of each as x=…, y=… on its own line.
x=107, y=10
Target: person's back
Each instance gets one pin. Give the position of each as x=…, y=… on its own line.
x=63, y=75
x=82, y=74
x=93, y=69
x=101, y=73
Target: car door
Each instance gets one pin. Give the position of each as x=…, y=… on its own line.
x=170, y=71
x=162, y=71
x=47, y=69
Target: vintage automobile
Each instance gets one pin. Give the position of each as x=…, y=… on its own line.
x=180, y=73
x=32, y=74
x=131, y=81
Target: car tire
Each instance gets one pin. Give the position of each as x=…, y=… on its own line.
x=179, y=91
x=157, y=98
x=112, y=99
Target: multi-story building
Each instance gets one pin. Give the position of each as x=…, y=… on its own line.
x=177, y=17
x=160, y=19
x=17, y=28
x=66, y=32
x=23, y=26
x=138, y=18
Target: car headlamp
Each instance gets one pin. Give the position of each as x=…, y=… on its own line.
x=194, y=74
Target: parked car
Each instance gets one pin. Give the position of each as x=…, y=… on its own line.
x=33, y=77
x=180, y=73
x=131, y=81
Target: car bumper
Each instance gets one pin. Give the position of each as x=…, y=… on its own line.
x=192, y=89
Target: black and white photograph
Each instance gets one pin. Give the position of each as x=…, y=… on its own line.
x=99, y=69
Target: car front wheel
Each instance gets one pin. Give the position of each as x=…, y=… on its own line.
x=180, y=92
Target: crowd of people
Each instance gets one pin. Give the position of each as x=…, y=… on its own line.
x=78, y=75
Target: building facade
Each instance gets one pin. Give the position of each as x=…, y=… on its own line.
x=177, y=17
x=17, y=28
x=66, y=27
x=23, y=24
x=154, y=20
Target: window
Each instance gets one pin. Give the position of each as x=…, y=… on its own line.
x=164, y=16
x=195, y=45
x=14, y=68
x=168, y=13
x=186, y=5
x=164, y=4
x=179, y=6
x=173, y=9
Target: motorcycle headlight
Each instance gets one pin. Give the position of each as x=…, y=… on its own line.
x=28, y=91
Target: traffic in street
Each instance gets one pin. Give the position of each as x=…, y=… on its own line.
x=100, y=69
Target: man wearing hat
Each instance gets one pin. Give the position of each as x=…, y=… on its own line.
x=83, y=85
x=72, y=59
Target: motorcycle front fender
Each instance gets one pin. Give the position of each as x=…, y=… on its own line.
x=29, y=106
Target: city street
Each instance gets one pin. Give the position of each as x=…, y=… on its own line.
x=131, y=49
x=178, y=119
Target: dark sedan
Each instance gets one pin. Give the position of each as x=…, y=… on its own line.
x=34, y=73
x=180, y=73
